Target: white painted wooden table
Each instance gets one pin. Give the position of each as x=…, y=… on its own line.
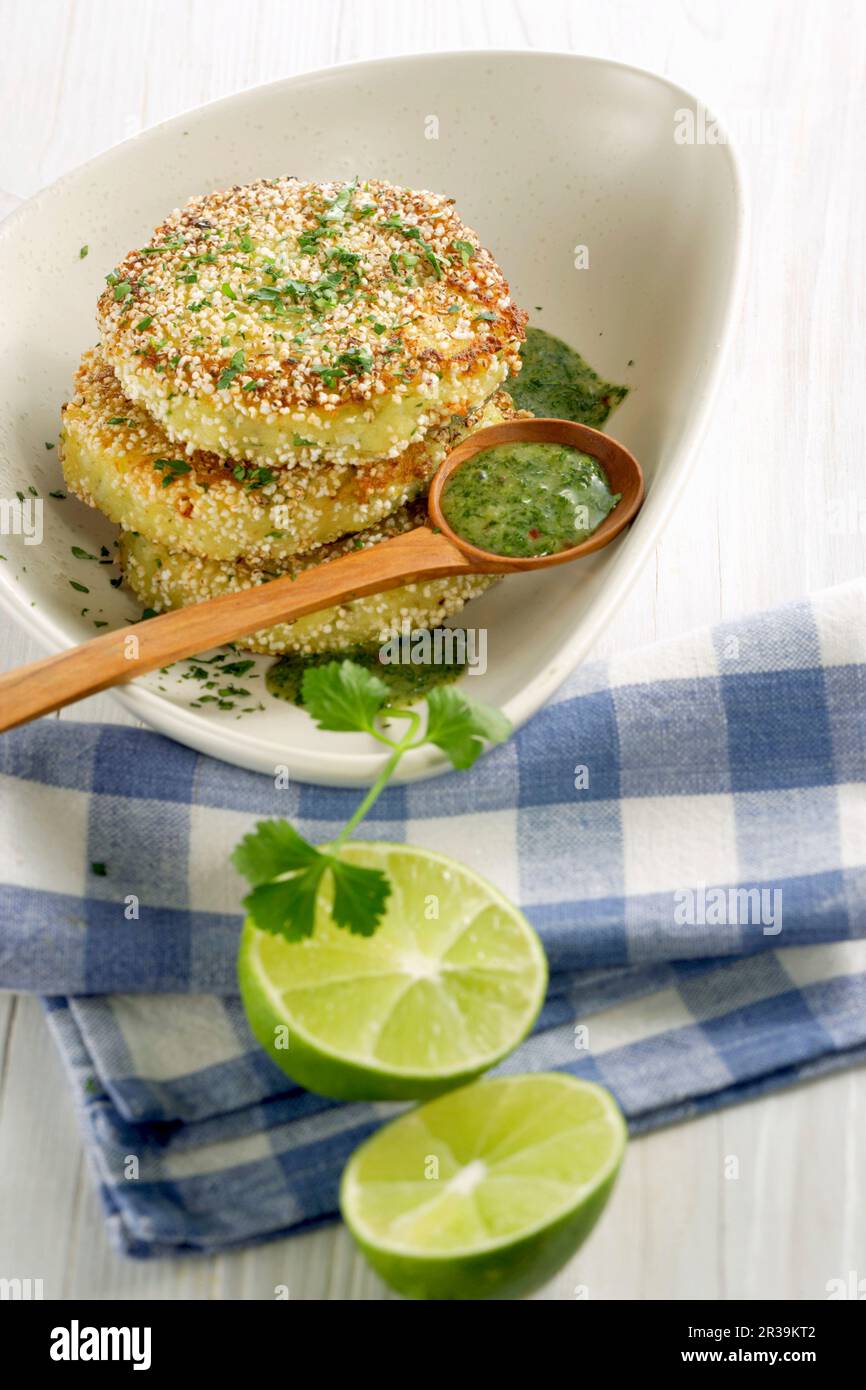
x=786, y=445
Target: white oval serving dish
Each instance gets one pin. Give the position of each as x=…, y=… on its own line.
x=544, y=153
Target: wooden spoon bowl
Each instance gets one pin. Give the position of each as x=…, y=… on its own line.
x=624, y=475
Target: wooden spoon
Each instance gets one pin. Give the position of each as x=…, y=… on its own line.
x=428, y=552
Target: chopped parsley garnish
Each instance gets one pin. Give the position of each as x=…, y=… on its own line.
x=398, y=259
x=144, y=323
x=439, y=265
x=329, y=375
x=356, y=361
x=311, y=236
x=83, y=251
x=327, y=225
x=265, y=294
x=254, y=477
x=229, y=373
x=414, y=234
x=340, y=206
x=340, y=254
x=171, y=469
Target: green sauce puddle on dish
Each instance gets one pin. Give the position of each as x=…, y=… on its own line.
x=527, y=499
x=556, y=381
x=406, y=681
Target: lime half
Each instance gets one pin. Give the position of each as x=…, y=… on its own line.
x=486, y=1192
x=449, y=983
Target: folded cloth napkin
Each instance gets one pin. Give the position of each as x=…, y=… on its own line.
x=684, y=825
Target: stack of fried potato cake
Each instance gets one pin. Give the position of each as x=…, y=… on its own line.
x=281, y=371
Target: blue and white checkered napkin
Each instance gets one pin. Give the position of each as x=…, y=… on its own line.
x=685, y=826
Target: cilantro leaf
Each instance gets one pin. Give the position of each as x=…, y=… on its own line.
x=343, y=697
x=360, y=896
x=460, y=726
x=288, y=907
x=287, y=873
x=273, y=848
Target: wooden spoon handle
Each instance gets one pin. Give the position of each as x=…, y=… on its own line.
x=117, y=657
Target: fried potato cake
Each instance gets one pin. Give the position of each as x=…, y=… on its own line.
x=266, y=322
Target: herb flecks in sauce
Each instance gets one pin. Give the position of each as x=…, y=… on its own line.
x=406, y=680
x=554, y=380
x=527, y=499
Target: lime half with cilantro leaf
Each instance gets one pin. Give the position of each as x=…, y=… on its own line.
x=488, y=1191
x=449, y=983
